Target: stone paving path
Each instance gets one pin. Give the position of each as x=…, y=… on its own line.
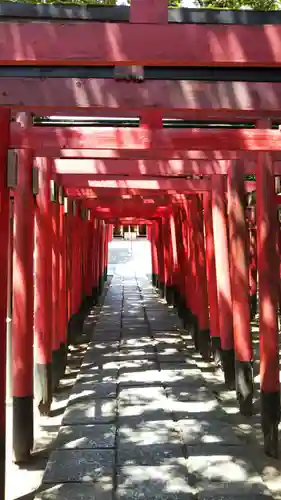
x=141, y=422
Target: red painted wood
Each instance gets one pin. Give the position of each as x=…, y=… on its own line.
x=56, y=306
x=149, y=11
x=203, y=310
x=43, y=273
x=180, y=185
x=239, y=265
x=222, y=263
x=23, y=295
x=133, y=168
x=124, y=43
x=62, y=319
x=215, y=100
x=4, y=235
x=215, y=155
x=145, y=139
x=211, y=266
x=268, y=276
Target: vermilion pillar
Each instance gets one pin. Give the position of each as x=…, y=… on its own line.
x=201, y=276
x=223, y=277
x=23, y=303
x=4, y=238
x=56, y=311
x=268, y=302
x=43, y=291
x=62, y=284
x=212, y=279
x=253, y=261
x=240, y=288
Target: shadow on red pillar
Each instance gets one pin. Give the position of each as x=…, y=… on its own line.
x=268, y=299
x=201, y=278
x=62, y=287
x=212, y=280
x=43, y=292
x=240, y=289
x=253, y=274
x=223, y=278
x=23, y=306
x=56, y=306
x=4, y=235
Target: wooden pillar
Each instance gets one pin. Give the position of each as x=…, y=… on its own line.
x=223, y=277
x=149, y=11
x=154, y=261
x=4, y=237
x=268, y=301
x=253, y=273
x=23, y=304
x=56, y=311
x=43, y=291
x=201, y=276
x=63, y=319
x=212, y=280
x=240, y=288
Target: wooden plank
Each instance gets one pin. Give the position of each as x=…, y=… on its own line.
x=179, y=185
x=124, y=43
x=144, y=139
x=96, y=94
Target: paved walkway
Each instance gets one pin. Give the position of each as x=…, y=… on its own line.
x=141, y=422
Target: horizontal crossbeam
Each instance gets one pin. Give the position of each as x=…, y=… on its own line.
x=94, y=43
x=123, y=138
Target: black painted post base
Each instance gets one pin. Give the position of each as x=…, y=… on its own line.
x=100, y=285
x=270, y=418
x=2, y=464
x=253, y=306
x=194, y=331
x=176, y=297
x=162, y=289
x=228, y=366
x=22, y=428
x=95, y=295
x=204, y=344
x=169, y=294
x=244, y=386
x=181, y=307
x=63, y=349
x=216, y=351
x=43, y=388
x=154, y=279
x=56, y=368
x=187, y=317
x=105, y=274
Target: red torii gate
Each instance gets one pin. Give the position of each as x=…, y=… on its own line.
x=222, y=154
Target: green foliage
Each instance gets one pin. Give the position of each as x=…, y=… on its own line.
x=263, y=5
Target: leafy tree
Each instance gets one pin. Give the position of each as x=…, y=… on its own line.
x=263, y=5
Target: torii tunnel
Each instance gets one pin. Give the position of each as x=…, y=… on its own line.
x=139, y=115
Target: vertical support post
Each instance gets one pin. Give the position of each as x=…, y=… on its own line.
x=212, y=280
x=203, y=309
x=240, y=288
x=43, y=291
x=56, y=306
x=23, y=304
x=253, y=274
x=149, y=11
x=4, y=238
x=268, y=301
x=223, y=278
x=62, y=318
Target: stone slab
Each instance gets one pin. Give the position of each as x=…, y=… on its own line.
x=85, y=466
x=149, y=433
x=90, y=411
x=199, y=431
x=72, y=491
x=130, y=454
x=99, y=376
x=154, y=483
x=182, y=393
x=218, y=464
x=102, y=390
x=86, y=436
x=141, y=395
